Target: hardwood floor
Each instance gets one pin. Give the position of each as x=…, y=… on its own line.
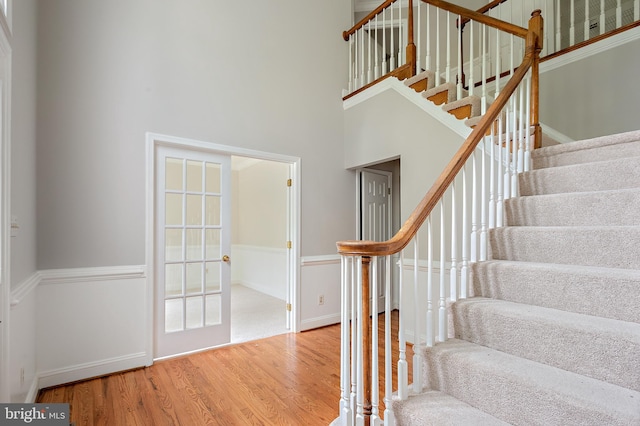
x=289, y=379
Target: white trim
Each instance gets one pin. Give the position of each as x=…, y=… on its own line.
x=318, y=322
x=32, y=394
x=591, y=49
x=153, y=139
x=328, y=259
x=90, y=369
x=392, y=83
x=554, y=134
x=103, y=273
x=23, y=289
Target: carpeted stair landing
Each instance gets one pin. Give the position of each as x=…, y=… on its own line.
x=551, y=335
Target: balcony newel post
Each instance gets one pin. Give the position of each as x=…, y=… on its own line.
x=366, y=339
x=534, y=46
x=411, y=47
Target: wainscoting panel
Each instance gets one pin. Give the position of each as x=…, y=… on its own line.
x=91, y=322
x=319, y=276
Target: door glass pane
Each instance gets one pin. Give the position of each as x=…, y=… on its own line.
x=194, y=312
x=213, y=243
x=194, y=176
x=213, y=309
x=194, y=278
x=213, y=210
x=194, y=210
x=173, y=280
x=173, y=245
x=213, y=178
x=173, y=209
x=213, y=276
x=173, y=315
x=173, y=179
x=194, y=244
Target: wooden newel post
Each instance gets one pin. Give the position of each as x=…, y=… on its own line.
x=534, y=46
x=366, y=339
x=411, y=47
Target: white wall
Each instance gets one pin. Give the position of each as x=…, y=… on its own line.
x=22, y=331
x=110, y=71
x=594, y=96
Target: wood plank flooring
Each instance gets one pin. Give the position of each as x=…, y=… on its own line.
x=289, y=379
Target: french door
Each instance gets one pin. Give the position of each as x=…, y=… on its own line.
x=192, y=286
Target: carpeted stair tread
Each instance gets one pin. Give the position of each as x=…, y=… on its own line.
x=607, y=246
x=609, y=207
x=620, y=145
x=433, y=408
x=524, y=392
x=473, y=101
x=574, y=288
x=619, y=173
x=449, y=87
x=600, y=348
x=424, y=75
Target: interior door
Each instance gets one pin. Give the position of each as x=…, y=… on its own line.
x=375, y=214
x=193, y=210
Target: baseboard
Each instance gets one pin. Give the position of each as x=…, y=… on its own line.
x=32, y=395
x=86, y=371
x=317, y=322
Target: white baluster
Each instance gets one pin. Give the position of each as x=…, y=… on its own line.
x=483, y=202
x=513, y=169
x=603, y=19
x=393, y=52
x=472, y=81
x=474, y=209
x=492, y=173
x=403, y=369
x=369, y=55
x=528, y=147
x=359, y=350
x=453, y=271
x=375, y=386
x=587, y=20
x=384, y=42
x=442, y=307
x=438, y=49
x=498, y=64
x=460, y=64
x=572, y=28
x=401, y=50
x=345, y=377
x=388, y=362
x=351, y=82
x=464, y=271
x=558, y=28
x=524, y=127
x=483, y=70
x=430, y=325
x=500, y=177
x=419, y=40
x=417, y=361
x=428, y=31
x=354, y=332
x=447, y=70
x=363, y=81
x=619, y=14
x=376, y=69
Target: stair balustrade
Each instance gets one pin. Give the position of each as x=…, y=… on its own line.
x=448, y=229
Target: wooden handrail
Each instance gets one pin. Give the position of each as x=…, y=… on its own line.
x=479, y=17
x=433, y=196
x=363, y=21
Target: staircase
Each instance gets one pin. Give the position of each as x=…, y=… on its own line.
x=551, y=334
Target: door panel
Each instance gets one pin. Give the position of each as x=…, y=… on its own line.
x=193, y=237
x=375, y=211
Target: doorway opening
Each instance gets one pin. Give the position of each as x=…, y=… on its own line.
x=254, y=256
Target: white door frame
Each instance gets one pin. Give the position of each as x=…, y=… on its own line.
x=293, y=225
x=5, y=200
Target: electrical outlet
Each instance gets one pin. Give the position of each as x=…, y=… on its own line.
x=321, y=299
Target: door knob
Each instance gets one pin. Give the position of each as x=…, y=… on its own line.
x=225, y=258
